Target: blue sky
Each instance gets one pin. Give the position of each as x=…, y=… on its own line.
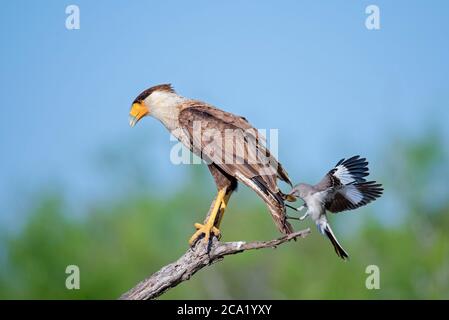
x=309, y=68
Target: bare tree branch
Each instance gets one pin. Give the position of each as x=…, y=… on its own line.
x=194, y=260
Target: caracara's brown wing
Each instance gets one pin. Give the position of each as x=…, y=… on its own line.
x=253, y=151
x=232, y=144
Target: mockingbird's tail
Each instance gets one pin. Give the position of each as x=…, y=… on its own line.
x=325, y=229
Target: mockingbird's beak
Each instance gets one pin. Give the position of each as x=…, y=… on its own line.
x=290, y=197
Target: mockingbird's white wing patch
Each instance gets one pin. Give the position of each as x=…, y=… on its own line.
x=345, y=172
x=354, y=169
x=353, y=196
x=352, y=193
x=346, y=187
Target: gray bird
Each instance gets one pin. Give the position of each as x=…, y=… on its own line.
x=342, y=188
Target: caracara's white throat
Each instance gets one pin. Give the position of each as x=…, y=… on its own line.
x=164, y=106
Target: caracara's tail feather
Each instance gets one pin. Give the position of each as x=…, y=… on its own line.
x=280, y=219
x=274, y=201
x=276, y=205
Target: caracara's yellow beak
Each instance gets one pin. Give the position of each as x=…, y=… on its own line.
x=138, y=111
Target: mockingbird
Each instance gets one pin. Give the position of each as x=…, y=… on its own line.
x=342, y=188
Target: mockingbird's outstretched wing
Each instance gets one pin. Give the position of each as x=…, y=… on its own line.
x=347, y=187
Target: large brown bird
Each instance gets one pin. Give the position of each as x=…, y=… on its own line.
x=232, y=148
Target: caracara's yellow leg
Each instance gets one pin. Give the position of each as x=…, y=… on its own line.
x=209, y=226
x=224, y=204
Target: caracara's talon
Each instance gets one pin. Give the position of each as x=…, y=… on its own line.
x=194, y=238
x=206, y=230
x=213, y=221
x=198, y=226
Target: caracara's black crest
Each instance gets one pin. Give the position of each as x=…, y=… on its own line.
x=162, y=87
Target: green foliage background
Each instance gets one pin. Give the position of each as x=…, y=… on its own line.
x=117, y=243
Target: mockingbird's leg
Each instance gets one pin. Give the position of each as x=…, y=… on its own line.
x=294, y=208
x=298, y=209
x=304, y=216
x=300, y=218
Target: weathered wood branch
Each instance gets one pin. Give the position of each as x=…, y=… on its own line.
x=194, y=260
